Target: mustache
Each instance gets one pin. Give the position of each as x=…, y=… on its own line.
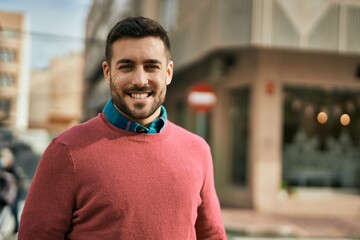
x=138, y=89
x=133, y=88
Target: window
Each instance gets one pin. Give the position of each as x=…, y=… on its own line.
x=5, y=106
x=239, y=129
x=321, y=145
x=169, y=13
x=13, y=33
x=6, y=80
x=7, y=55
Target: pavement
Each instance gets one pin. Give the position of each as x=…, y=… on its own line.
x=249, y=224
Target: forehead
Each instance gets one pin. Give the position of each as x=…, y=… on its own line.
x=138, y=48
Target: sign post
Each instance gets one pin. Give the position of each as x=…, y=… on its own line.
x=201, y=97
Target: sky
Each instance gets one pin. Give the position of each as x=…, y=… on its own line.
x=56, y=27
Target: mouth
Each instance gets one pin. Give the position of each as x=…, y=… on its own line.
x=139, y=95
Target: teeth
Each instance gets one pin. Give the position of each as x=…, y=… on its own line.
x=139, y=95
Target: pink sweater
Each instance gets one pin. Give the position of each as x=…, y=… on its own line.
x=96, y=181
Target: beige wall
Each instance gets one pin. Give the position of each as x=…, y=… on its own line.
x=12, y=21
x=67, y=88
x=57, y=93
x=40, y=101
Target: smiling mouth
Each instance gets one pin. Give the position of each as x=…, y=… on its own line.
x=139, y=95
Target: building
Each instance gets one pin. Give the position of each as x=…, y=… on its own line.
x=285, y=132
x=275, y=70
x=67, y=78
x=14, y=71
x=57, y=94
x=40, y=99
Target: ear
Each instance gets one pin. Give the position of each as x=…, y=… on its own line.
x=169, y=72
x=106, y=72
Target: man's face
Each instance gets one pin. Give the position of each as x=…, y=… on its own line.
x=138, y=76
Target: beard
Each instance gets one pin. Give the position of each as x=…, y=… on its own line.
x=137, y=111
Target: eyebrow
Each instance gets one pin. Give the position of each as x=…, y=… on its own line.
x=147, y=61
x=123, y=60
x=153, y=61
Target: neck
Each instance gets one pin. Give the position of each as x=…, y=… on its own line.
x=146, y=121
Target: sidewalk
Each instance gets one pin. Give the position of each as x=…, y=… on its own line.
x=248, y=224
x=244, y=222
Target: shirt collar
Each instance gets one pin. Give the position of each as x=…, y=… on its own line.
x=120, y=121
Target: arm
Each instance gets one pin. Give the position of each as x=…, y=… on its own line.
x=209, y=223
x=48, y=208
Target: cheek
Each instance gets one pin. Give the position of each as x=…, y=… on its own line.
x=162, y=79
x=115, y=84
x=119, y=80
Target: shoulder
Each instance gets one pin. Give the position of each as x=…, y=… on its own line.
x=191, y=147
x=183, y=135
x=81, y=133
x=176, y=129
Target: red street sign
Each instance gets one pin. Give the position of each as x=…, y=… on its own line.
x=202, y=97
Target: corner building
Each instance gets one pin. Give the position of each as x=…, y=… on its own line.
x=285, y=132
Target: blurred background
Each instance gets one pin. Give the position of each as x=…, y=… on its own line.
x=275, y=88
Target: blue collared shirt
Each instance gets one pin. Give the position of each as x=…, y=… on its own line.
x=120, y=121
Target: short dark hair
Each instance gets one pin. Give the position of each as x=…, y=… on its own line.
x=135, y=27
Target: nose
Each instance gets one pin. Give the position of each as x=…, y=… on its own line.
x=140, y=78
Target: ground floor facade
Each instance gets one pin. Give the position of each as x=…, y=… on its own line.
x=285, y=132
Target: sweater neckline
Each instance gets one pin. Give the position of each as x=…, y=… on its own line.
x=139, y=137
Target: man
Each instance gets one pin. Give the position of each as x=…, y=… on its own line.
x=128, y=173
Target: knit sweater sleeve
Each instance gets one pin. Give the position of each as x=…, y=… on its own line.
x=209, y=223
x=48, y=209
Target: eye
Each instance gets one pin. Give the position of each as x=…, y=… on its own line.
x=151, y=67
x=126, y=67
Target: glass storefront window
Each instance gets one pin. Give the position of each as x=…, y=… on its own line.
x=239, y=113
x=321, y=141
